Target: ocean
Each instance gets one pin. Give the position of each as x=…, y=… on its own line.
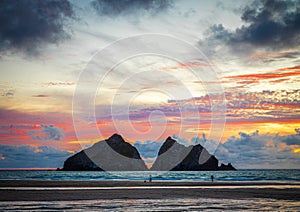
x=240, y=175
x=157, y=204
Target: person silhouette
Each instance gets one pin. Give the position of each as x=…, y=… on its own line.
x=150, y=178
x=212, y=178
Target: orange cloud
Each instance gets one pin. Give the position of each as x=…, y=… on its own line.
x=185, y=65
x=265, y=55
x=277, y=76
x=263, y=76
x=290, y=68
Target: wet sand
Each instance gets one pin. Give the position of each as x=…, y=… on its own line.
x=31, y=190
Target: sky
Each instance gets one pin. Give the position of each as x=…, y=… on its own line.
x=225, y=74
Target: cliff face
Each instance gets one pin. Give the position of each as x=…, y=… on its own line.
x=113, y=154
x=192, y=158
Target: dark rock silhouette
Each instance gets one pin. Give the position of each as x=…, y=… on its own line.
x=113, y=154
x=117, y=143
x=166, y=145
x=80, y=162
x=226, y=167
x=192, y=158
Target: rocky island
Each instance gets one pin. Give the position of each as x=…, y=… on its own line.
x=177, y=157
x=115, y=154
x=112, y=154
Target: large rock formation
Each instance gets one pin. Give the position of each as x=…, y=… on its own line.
x=113, y=154
x=176, y=157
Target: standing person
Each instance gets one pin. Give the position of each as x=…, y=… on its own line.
x=212, y=178
x=150, y=178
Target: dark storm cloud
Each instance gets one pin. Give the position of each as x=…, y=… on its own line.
x=27, y=24
x=114, y=8
x=272, y=24
x=30, y=157
x=292, y=139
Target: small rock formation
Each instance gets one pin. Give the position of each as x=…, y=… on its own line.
x=226, y=167
x=112, y=154
x=176, y=157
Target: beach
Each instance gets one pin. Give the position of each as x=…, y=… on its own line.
x=36, y=190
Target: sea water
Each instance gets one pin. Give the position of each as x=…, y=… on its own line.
x=240, y=175
x=165, y=204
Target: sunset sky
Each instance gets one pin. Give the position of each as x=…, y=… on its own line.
x=217, y=72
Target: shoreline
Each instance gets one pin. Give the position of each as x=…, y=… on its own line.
x=50, y=190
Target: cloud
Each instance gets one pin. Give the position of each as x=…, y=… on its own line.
x=261, y=151
x=180, y=140
x=113, y=8
x=59, y=84
x=30, y=157
x=40, y=96
x=148, y=149
x=270, y=24
x=270, y=57
x=186, y=65
x=265, y=107
x=256, y=78
x=47, y=133
x=28, y=24
x=292, y=139
x=9, y=93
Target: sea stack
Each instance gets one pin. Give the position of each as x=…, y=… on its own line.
x=115, y=154
x=177, y=157
x=112, y=154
